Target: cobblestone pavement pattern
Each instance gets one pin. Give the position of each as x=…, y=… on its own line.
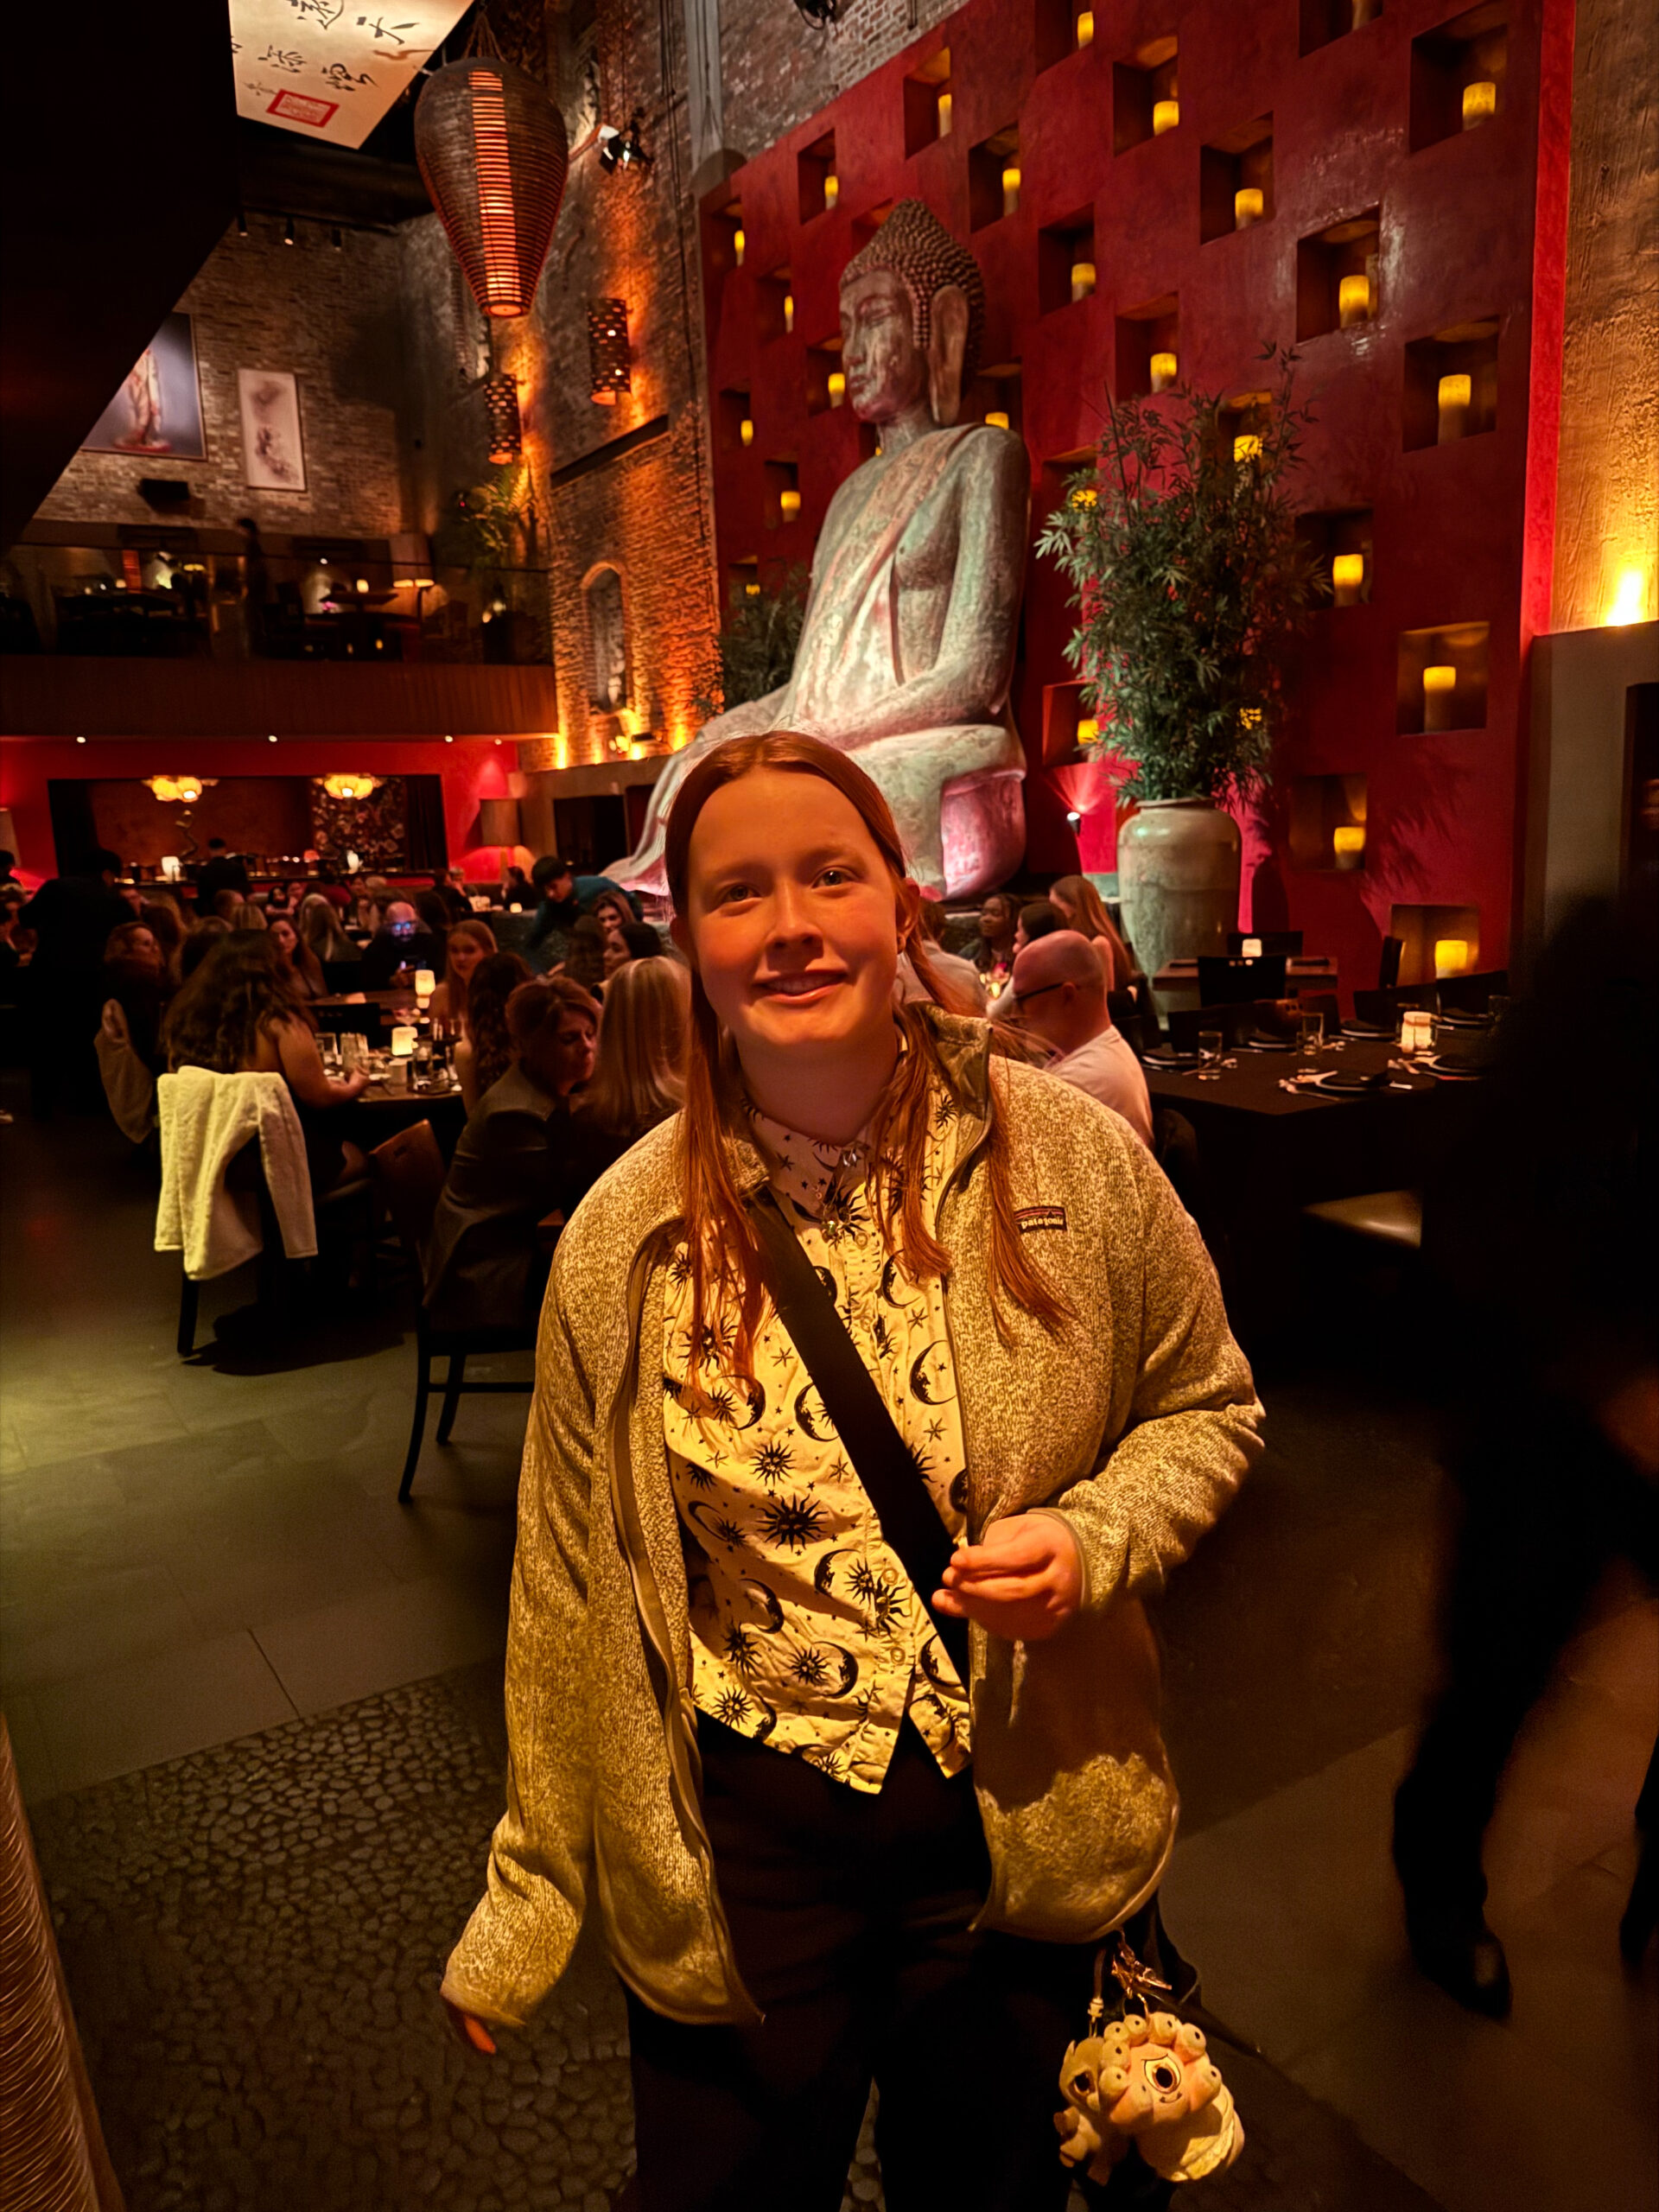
x=253, y=1937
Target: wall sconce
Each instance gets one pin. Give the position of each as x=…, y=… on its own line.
x=1347, y=575
x=1085, y=28
x=837, y=387
x=609, y=360
x=1165, y=370
x=746, y=432
x=1479, y=103
x=789, y=505
x=1454, y=396
x=945, y=115
x=501, y=412
x=180, y=790
x=1166, y=114
x=349, y=786
x=1353, y=301
x=789, y=311
x=1248, y=204
x=1348, y=844
x=1629, y=600
x=831, y=191
x=1246, y=446
x=1451, y=956
x=1083, y=279
x=740, y=246
x=997, y=419
x=1440, y=698
x=1011, y=191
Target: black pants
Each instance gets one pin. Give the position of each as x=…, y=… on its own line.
x=1549, y=1503
x=850, y=1915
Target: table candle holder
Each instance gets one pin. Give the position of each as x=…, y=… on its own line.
x=1347, y=577
x=1440, y=698
x=1165, y=370
x=1247, y=206
x=426, y=982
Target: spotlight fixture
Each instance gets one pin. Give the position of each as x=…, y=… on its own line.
x=619, y=149
x=821, y=12
x=288, y=229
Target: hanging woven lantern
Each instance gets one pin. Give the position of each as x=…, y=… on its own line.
x=494, y=156
x=501, y=411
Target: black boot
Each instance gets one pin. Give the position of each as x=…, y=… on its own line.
x=1455, y=1949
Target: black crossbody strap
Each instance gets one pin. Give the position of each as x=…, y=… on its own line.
x=909, y=1521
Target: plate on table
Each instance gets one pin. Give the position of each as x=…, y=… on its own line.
x=1451, y=1070
x=1377, y=1029
x=1266, y=1045
x=1172, y=1063
x=1464, y=1020
x=1348, y=1081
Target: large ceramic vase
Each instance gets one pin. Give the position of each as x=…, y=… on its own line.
x=1177, y=867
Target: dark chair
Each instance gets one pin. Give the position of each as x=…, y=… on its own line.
x=1229, y=981
x=1287, y=942
x=345, y=1218
x=409, y=1173
x=1125, y=1010
x=1236, y=1022
x=1384, y=1006
x=1388, y=963
x=1323, y=1003
x=1473, y=993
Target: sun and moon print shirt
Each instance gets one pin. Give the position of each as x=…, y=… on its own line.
x=806, y=1631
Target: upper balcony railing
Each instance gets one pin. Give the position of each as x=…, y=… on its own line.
x=160, y=604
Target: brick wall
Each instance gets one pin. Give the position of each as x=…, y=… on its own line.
x=330, y=316
x=776, y=69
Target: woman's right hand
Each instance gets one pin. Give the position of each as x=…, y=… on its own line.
x=353, y=1085
x=470, y=2029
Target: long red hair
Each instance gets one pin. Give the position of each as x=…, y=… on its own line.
x=723, y=1252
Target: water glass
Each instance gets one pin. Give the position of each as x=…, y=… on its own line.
x=1310, y=1033
x=1211, y=1045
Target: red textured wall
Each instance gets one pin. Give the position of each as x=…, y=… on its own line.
x=1471, y=228
x=472, y=770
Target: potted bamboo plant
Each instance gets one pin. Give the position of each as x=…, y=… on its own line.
x=1190, y=581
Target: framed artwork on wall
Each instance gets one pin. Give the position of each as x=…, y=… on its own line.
x=158, y=407
x=273, y=444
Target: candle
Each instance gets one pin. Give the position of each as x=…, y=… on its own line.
x=1416, y=1031
x=831, y=190
x=789, y=310
x=1010, y=191
x=945, y=115
x=1246, y=447
x=837, y=387
x=402, y=1043
x=790, y=505
x=1453, y=396
x=1166, y=114
x=1088, y=731
x=1164, y=371
x=1479, y=103
x=1247, y=206
x=1251, y=948
x=739, y=243
x=1348, y=841
x=1083, y=279
x=1439, y=694
x=1451, y=955
x=1085, y=28
x=1353, y=301
x=997, y=419
x=425, y=983
x=746, y=431
x=1347, y=575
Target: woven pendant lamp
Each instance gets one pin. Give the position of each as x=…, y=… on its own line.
x=494, y=156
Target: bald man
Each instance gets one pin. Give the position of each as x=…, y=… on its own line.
x=1059, y=994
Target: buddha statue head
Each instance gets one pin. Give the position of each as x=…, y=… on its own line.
x=913, y=315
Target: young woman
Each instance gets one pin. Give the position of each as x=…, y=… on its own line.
x=1083, y=910
x=320, y=926
x=300, y=965
x=818, y=1848
x=484, y=1052
x=470, y=943
x=639, y=1074
x=612, y=910
x=999, y=913
x=137, y=980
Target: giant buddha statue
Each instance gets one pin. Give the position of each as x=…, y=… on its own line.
x=908, y=642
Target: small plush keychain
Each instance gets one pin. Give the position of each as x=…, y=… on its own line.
x=1145, y=2078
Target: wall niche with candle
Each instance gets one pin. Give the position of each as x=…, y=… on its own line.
x=1457, y=75
x=826, y=381
x=1146, y=95
x=1436, y=941
x=1336, y=276
x=1442, y=683
x=1062, y=27
x=820, y=186
x=1236, y=181
x=734, y=425
x=995, y=397
x=994, y=178
x=929, y=104
x=1147, y=352
x=1066, y=261
x=774, y=305
x=1324, y=20
x=1243, y=420
x=1339, y=539
x=1327, y=824
x=743, y=578
x=1451, y=384
x=783, y=492
x=724, y=240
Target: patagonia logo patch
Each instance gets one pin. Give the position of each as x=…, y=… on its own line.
x=1034, y=1217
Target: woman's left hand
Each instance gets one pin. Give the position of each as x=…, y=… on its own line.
x=1023, y=1580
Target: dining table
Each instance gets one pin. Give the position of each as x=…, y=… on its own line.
x=1275, y=1132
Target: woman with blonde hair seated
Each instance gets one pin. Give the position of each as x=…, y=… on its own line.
x=244, y=915
x=1083, y=910
x=318, y=927
x=639, y=1075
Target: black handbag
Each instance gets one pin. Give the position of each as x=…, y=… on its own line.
x=910, y=1522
